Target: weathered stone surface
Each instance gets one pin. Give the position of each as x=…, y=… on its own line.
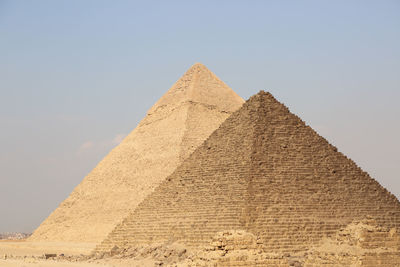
x=173, y=128
x=265, y=172
x=358, y=244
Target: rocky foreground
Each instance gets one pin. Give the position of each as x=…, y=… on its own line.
x=361, y=243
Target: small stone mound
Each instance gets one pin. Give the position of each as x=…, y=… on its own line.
x=162, y=254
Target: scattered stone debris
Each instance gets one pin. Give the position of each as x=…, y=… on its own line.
x=163, y=254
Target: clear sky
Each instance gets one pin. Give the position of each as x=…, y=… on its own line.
x=77, y=76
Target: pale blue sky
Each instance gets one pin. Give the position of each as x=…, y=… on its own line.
x=75, y=76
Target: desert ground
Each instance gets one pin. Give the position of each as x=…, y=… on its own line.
x=22, y=253
x=29, y=261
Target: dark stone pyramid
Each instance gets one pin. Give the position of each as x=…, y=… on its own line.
x=263, y=171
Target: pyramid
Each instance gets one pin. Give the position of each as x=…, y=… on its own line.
x=178, y=123
x=264, y=172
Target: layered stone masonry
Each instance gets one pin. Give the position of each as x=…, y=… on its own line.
x=263, y=171
x=177, y=124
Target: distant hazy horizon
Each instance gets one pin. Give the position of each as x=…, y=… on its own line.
x=78, y=76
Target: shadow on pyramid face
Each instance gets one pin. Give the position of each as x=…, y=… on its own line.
x=264, y=172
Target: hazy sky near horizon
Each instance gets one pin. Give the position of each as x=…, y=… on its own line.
x=77, y=76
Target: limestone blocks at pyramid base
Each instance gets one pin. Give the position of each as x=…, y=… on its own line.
x=227, y=248
x=363, y=244
x=359, y=244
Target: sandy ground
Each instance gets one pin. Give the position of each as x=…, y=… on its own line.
x=26, y=248
x=31, y=262
x=22, y=253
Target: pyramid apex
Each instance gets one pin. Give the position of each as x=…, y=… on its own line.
x=265, y=94
x=262, y=96
x=262, y=92
x=200, y=85
x=198, y=66
x=264, y=100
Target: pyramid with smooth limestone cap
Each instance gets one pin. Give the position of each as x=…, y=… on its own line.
x=179, y=122
x=263, y=171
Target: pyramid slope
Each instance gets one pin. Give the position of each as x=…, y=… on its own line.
x=177, y=124
x=200, y=85
x=265, y=172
